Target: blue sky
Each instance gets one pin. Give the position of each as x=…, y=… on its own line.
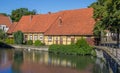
x=43, y=6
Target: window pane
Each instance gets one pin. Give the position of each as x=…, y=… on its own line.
x=49, y=38
x=41, y=37
x=35, y=37
x=30, y=37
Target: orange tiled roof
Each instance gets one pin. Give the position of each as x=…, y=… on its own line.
x=23, y=24
x=40, y=23
x=5, y=20
x=73, y=22
x=69, y=22
x=11, y=28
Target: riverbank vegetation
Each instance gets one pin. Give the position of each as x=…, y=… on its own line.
x=3, y=35
x=81, y=47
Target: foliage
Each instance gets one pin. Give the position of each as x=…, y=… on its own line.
x=107, y=11
x=9, y=41
x=106, y=14
x=82, y=43
x=29, y=42
x=18, y=37
x=3, y=35
x=80, y=48
x=38, y=43
x=18, y=13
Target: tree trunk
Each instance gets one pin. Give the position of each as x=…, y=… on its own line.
x=118, y=38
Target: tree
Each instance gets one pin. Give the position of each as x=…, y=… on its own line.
x=18, y=13
x=106, y=14
x=2, y=35
x=18, y=37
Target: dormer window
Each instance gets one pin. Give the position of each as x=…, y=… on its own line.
x=60, y=20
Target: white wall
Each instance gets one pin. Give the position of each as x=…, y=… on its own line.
x=4, y=27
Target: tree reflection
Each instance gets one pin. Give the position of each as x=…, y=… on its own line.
x=78, y=62
x=18, y=60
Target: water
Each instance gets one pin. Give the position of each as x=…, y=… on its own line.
x=15, y=61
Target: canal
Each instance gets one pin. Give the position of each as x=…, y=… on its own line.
x=17, y=61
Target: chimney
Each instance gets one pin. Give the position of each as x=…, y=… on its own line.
x=49, y=12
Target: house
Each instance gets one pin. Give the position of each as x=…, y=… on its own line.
x=64, y=27
x=5, y=22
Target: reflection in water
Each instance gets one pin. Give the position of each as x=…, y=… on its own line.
x=18, y=60
x=6, y=58
x=110, y=62
x=12, y=61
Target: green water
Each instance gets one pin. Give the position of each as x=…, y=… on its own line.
x=15, y=61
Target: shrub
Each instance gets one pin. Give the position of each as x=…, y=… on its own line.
x=38, y=43
x=29, y=42
x=9, y=41
x=3, y=35
x=80, y=48
x=82, y=43
x=18, y=37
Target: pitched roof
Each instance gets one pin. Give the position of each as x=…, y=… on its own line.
x=35, y=23
x=69, y=22
x=73, y=22
x=40, y=23
x=11, y=28
x=5, y=20
x=23, y=24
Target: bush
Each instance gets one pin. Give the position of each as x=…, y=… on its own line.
x=38, y=43
x=3, y=35
x=82, y=43
x=80, y=48
x=18, y=37
x=9, y=41
x=29, y=42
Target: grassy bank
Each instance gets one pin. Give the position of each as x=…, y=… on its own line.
x=4, y=45
x=79, y=48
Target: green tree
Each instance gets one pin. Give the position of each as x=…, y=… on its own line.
x=18, y=37
x=106, y=14
x=18, y=13
x=2, y=35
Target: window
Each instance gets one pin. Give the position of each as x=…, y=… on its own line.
x=31, y=37
x=41, y=37
x=25, y=37
x=35, y=37
x=56, y=38
x=49, y=38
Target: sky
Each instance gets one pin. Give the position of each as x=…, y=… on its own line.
x=43, y=6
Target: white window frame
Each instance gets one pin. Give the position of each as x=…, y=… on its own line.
x=35, y=37
x=41, y=37
x=49, y=38
x=31, y=37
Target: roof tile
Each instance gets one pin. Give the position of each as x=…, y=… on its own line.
x=69, y=22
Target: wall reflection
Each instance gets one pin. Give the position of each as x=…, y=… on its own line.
x=57, y=60
x=15, y=61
